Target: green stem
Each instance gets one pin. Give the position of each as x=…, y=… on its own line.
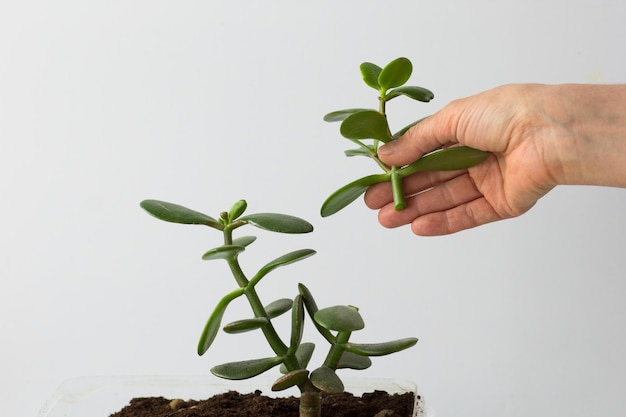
x=269, y=331
x=336, y=350
x=397, y=190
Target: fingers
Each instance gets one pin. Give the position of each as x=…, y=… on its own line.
x=466, y=216
x=379, y=195
x=447, y=207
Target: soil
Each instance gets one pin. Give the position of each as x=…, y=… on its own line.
x=235, y=404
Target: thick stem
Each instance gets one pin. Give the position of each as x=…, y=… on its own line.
x=336, y=350
x=397, y=190
x=310, y=404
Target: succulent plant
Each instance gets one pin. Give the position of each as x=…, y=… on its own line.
x=336, y=324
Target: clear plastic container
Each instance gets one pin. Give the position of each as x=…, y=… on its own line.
x=101, y=396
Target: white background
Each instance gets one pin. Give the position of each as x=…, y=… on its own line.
x=105, y=103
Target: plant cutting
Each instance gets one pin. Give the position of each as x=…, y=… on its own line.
x=336, y=324
x=368, y=128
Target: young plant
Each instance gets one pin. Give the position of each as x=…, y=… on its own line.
x=336, y=324
x=368, y=128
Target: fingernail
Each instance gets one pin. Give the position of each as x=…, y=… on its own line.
x=387, y=149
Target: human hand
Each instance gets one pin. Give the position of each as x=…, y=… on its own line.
x=524, y=128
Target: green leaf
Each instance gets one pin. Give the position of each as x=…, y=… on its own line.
x=278, y=307
x=311, y=308
x=303, y=355
x=174, y=213
x=353, y=361
x=243, y=240
x=215, y=320
x=286, y=259
x=370, y=73
x=350, y=192
x=245, y=369
x=237, y=210
x=245, y=325
x=450, y=159
x=293, y=378
x=223, y=252
x=380, y=349
x=361, y=152
x=325, y=379
x=340, y=318
x=366, y=124
x=340, y=115
x=416, y=93
x=297, y=323
x=396, y=73
x=281, y=223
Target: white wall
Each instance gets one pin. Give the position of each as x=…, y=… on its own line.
x=105, y=103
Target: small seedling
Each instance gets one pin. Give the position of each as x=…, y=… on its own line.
x=368, y=128
x=336, y=324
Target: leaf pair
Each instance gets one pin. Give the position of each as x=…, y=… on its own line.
x=457, y=158
x=273, y=222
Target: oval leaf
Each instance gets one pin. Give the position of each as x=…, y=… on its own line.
x=450, y=159
x=223, y=252
x=293, y=378
x=369, y=152
x=370, y=73
x=340, y=115
x=339, y=318
x=366, y=124
x=396, y=73
x=215, y=320
x=245, y=369
x=303, y=355
x=297, y=323
x=380, y=349
x=311, y=308
x=416, y=93
x=326, y=380
x=237, y=210
x=174, y=213
x=350, y=192
x=278, y=307
x=243, y=240
x=245, y=325
x=286, y=259
x=353, y=361
x=281, y=223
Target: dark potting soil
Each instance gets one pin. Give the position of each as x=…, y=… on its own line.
x=234, y=404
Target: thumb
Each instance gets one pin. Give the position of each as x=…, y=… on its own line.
x=426, y=136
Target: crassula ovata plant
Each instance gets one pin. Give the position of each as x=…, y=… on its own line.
x=336, y=324
x=369, y=128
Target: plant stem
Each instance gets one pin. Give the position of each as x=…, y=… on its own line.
x=397, y=190
x=336, y=350
x=269, y=331
x=310, y=404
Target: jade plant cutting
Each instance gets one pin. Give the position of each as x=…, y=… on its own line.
x=369, y=128
x=336, y=324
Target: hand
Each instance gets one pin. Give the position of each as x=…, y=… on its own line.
x=539, y=136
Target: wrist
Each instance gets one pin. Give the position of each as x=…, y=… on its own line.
x=589, y=132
